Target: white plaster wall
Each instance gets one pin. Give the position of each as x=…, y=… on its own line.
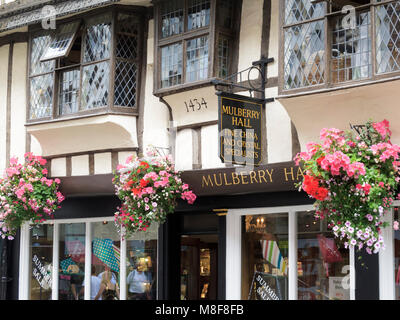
x=3, y=105
x=273, y=68
x=102, y=163
x=80, y=165
x=184, y=150
x=279, y=134
x=36, y=148
x=18, y=101
x=209, y=147
x=58, y=167
x=156, y=116
x=123, y=155
x=250, y=34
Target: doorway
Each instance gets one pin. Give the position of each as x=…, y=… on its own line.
x=199, y=267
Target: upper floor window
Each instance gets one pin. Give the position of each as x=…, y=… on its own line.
x=86, y=65
x=188, y=48
x=325, y=47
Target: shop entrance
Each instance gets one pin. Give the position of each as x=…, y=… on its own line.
x=199, y=267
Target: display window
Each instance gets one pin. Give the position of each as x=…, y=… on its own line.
x=284, y=253
x=80, y=259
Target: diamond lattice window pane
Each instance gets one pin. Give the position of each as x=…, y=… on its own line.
x=304, y=63
x=351, y=50
x=98, y=39
x=95, y=85
x=301, y=10
x=62, y=41
x=69, y=91
x=125, y=84
x=38, y=46
x=127, y=46
x=41, y=97
x=388, y=37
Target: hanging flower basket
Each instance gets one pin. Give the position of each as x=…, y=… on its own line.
x=26, y=194
x=354, y=178
x=148, y=189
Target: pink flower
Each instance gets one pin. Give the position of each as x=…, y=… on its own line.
x=44, y=171
x=49, y=182
x=56, y=180
x=14, y=161
x=382, y=128
x=396, y=225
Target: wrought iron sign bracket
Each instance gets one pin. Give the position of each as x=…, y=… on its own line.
x=235, y=80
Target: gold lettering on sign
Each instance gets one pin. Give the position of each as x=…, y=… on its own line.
x=244, y=176
x=206, y=181
x=226, y=182
x=270, y=174
x=261, y=174
x=235, y=178
x=253, y=176
x=220, y=180
x=289, y=173
x=299, y=174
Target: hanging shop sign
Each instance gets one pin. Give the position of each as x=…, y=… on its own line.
x=239, y=124
x=239, y=180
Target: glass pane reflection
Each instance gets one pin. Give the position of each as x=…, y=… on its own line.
x=72, y=261
x=141, y=281
x=322, y=261
x=105, y=268
x=42, y=262
x=265, y=257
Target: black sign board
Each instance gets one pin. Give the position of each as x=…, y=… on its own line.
x=266, y=286
x=239, y=124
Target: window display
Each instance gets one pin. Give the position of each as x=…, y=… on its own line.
x=141, y=282
x=321, y=261
x=41, y=262
x=71, y=261
x=265, y=257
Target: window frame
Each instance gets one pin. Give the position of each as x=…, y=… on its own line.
x=213, y=31
x=234, y=245
x=329, y=19
x=109, y=108
x=25, y=257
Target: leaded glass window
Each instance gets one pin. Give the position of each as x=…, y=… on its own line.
x=351, y=50
x=198, y=14
x=71, y=68
x=304, y=55
x=223, y=56
x=62, y=41
x=387, y=20
x=41, y=79
x=171, y=65
x=97, y=45
x=197, y=59
x=127, y=60
x=172, y=18
x=95, y=85
x=185, y=41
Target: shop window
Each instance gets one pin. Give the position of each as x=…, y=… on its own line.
x=71, y=255
x=321, y=261
x=77, y=70
x=184, y=41
x=265, y=257
x=320, y=38
x=71, y=261
x=41, y=262
x=142, y=265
